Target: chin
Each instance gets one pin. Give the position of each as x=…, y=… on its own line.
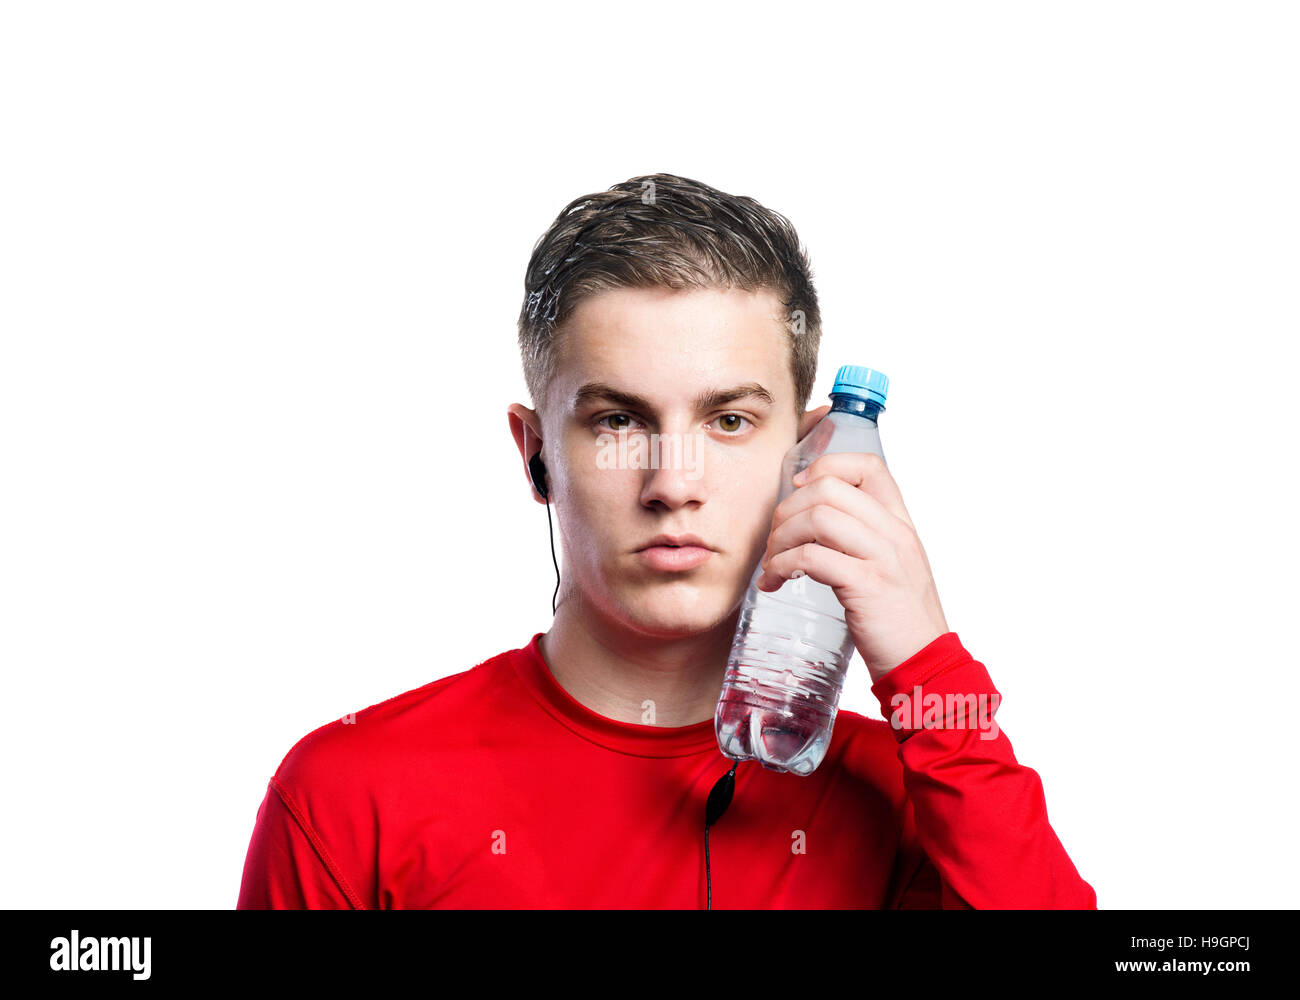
x=675, y=612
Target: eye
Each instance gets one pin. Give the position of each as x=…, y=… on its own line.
x=615, y=416
x=732, y=422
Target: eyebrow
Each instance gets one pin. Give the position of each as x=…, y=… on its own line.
x=707, y=400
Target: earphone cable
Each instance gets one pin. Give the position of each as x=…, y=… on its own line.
x=551, y=532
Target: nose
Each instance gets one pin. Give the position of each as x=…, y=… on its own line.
x=675, y=476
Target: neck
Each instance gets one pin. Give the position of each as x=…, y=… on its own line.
x=615, y=672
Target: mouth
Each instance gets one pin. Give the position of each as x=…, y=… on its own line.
x=676, y=542
x=673, y=554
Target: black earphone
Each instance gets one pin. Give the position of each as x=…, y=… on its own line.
x=720, y=796
x=537, y=469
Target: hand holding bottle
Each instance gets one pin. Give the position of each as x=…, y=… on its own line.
x=845, y=526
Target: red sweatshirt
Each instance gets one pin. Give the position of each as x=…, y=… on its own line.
x=494, y=788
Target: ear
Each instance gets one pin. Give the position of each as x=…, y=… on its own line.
x=526, y=427
x=811, y=419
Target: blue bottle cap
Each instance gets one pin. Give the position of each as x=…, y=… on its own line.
x=865, y=383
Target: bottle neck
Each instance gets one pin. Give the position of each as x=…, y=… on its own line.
x=844, y=403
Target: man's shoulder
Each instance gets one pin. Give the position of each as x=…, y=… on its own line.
x=363, y=745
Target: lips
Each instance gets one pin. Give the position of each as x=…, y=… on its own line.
x=675, y=542
x=674, y=553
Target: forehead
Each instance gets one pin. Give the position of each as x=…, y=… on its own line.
x=671, y=344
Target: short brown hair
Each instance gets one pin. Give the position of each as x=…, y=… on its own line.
x=661, y=230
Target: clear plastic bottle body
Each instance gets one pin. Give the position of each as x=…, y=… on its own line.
x=791, y=650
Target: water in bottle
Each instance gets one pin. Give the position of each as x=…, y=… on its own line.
x=786, y=669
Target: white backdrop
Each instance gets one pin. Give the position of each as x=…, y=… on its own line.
x=262, y=264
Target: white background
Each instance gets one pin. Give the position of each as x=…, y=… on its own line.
x=262, y=264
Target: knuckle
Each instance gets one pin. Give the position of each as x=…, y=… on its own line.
x=899, y=534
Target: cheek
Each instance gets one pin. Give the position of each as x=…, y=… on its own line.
x=598, y=510
x=761, y=506
x=750, y=488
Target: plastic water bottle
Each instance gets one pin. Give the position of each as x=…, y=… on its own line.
x=787, y=664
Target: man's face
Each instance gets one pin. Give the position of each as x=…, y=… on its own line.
x=718, y=461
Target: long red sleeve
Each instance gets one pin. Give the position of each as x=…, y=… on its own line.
x=979, y=816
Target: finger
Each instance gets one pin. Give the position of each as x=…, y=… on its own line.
x=831, y=527
x=865, y=471
x=835, y=492
x=835, y=569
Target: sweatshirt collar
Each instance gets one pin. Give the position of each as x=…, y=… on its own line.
x=623, y=737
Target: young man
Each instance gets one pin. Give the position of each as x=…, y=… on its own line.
x=573, y=771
